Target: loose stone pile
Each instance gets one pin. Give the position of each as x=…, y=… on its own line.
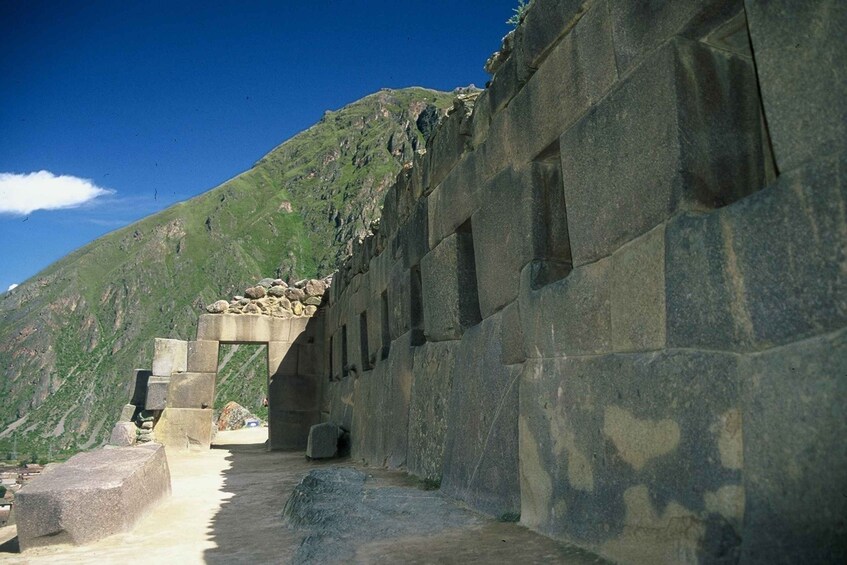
x=275, y=297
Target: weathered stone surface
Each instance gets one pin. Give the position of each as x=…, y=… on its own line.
x=294, y=392
x=127, y=412
x=546, y=22
x=800, y=49
x=520, y=220
x=218, y=307
x=638, y=293
x=323, y=441
x=681, y=133
x=639, y=28
x=481, y=450
x=450, y=299
x=242, y=328
x=123, y=434
x=255, y=292
x=288, y=430
x=185, y=428
x=233, y=417
x=192, y=390
x=202, y=356
x=571, y=316
x=91, y=496
x=446, y=146
x=315, y=288
x=795, y=454
x=618, y=451
x=738, y=279
x=511, y=335
x=157, y=393
x=380, y=426
x=433, y=381
x=577, y=73
x=169, y=356
x=277, y=290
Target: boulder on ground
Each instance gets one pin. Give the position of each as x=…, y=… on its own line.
x=233, y=417
x=323, y=441
x=91, y=496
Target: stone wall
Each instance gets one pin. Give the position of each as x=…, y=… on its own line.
x=611, y=295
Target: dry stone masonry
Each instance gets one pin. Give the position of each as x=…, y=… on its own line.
x=274, y=297
x=610, y=295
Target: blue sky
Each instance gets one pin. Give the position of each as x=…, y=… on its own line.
x=154, y=102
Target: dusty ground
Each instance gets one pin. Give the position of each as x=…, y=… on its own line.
x=227, y=506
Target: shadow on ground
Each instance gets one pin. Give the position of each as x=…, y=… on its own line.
x=365, y=516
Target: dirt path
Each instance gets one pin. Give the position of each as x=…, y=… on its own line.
x=227, y=506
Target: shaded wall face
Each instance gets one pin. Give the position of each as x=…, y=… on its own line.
x=611, y=297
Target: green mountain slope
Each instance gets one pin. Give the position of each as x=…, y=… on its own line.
x=71, y=336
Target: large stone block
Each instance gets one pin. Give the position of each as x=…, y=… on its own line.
x=243, y=328
x=323, y=441
x=545, y=23
x=380, y=427
x=522, y=219
x=800, y=48
x=282, y=358
x=294, y=392
x=123, y=434
x=288, y=430
x=636, y=456
x=127, y=412
x=795, y=455
x=450, y=288
x=185, y=429
x=192, y=390
x=157, y=393
x=571, y=316
x=456, y=198
x=446, y=146
x=169, y=356
x=91, y=496
x=399, y=301
x=681, y=133
x=638, y=293
x=641, y=27
x=766, y=271
x=202, y=357
x=481, y=449
x=433, y=381
x=576, y=74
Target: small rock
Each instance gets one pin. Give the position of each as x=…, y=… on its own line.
x=284, y=303
x=277, y=290
x=278, y=312
x=310, y=310
x=312, y=301
x=315, y=288
x=295, y=294
x=244, y=301
x=252, y=309
x=238, y=298
x=266, y=283
x=147, y=425
x=301, y=284
x=297, y=308
x=280, y=282
x=255, y=292
x=218, y=307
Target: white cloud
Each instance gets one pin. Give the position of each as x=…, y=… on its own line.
x=25, y=193
x=12, y=286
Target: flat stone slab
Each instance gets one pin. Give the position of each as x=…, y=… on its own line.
x=92, y=496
